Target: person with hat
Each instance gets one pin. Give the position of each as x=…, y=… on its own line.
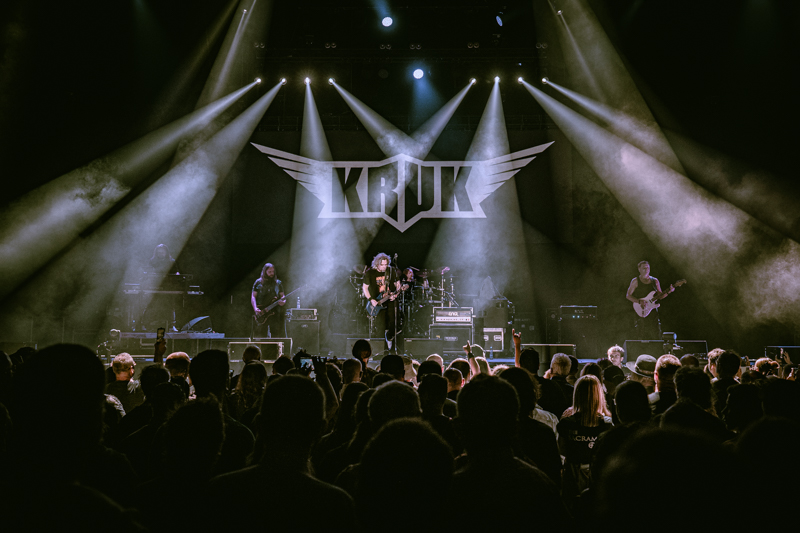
x=643, y=371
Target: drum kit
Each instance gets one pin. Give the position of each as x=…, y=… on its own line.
x=427, y=288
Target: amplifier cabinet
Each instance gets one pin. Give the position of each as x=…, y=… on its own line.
x=304, y=334
x=296, y=313
x=453, y=338
x=452, y=315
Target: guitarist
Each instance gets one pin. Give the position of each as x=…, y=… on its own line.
x=268, y=289
x=379, y=281
x=649, y=327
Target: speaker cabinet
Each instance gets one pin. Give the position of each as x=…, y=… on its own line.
x=635, y=348
x=453, y=338
x=378, y=346
x=271, y=349
x=304, y=334
x=578, y=325
x=421, y=348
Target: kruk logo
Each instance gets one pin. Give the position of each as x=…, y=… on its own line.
x=402, y=189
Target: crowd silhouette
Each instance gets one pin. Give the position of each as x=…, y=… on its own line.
x=657, y=444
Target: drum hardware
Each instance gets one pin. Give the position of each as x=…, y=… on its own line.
x=429, y=288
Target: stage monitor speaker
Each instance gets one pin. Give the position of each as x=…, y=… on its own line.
x=271, y=349
x=697, y=348
x=421, y=348
x=635, y=348
x=547, y=351
x=378, y=346
x=304, y=334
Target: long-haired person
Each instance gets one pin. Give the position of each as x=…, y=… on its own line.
x=267, y=290
x=578, y=433
x=382, y=282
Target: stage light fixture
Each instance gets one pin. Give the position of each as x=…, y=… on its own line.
x=283, y=81
x=418, y=73
x=258, y=80
x=559, y=12
x=520, y=79
x=307, y=81
x=499, y=19
x=545, y=80
x=497, y=79
x=387, y=21
x=331, y=81
x=473, y=81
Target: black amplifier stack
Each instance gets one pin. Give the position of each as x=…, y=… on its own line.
x=303, y=328
x=578, y=325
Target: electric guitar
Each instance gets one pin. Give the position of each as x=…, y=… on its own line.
x=374, y=310
x=651, y=301
x=266, y=311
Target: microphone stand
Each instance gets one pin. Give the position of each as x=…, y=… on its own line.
x=392, y=275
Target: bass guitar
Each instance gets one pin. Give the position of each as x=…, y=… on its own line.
x=373, y=310
x=266, y=311
x=651, y=301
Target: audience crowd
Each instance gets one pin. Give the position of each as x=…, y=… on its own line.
x=659, y=443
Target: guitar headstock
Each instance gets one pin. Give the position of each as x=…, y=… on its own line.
x=679, y=283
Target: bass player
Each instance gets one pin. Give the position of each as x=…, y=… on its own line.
x=647, y=327
x=267, y=290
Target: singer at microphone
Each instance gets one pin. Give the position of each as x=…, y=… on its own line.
x=381, y=287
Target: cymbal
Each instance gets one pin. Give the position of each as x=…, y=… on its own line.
x=441, y=270
x=415, y=269
x=423, y=274
x=360, y=269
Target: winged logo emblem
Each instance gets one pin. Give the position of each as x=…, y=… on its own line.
x=402, y=189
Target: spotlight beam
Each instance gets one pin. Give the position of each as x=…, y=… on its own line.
x=459, y=242
x=251, y=21
x=427, y=134
x=391, y=141
x=178, y=86
x=737, y=263
x=37, y=226
x=648, y=137
x=319, y=247
x=167, y=211
x=389, y=138
x=313, y=143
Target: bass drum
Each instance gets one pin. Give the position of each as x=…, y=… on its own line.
x=420, y=320
x=421, y=296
